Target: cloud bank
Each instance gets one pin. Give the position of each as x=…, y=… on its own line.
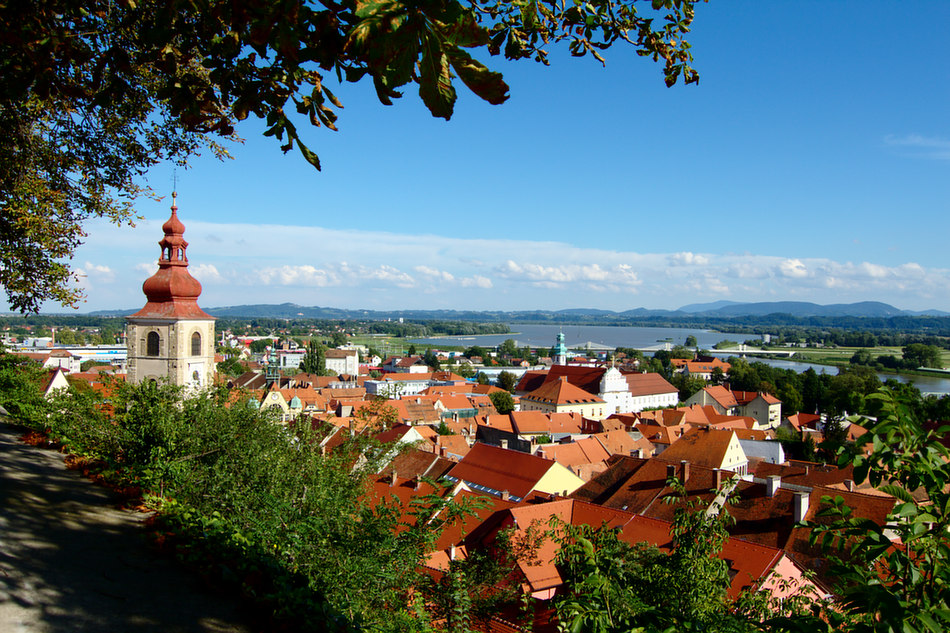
x=239, y=263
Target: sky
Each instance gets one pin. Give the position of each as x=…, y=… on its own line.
x=811, y=163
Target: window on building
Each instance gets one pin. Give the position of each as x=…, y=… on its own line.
x=152, y=344
x=196, y=344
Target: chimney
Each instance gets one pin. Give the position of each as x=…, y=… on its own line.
x=718, y=472
x=685, y=470
x=772, y=485
x=417, y=484
x=670, y=470
x=452, y=553
x=849, y=485
x=800, y=508
x=504, y=443
x=504, y=495
x=395, y=478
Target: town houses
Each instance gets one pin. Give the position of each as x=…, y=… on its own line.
x=585, y=440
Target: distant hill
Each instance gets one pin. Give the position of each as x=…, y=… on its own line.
x=806, y=309
x=715, y=310
x=708, y=307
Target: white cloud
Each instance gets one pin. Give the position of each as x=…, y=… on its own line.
x=206, y=273
x=688, y=259
x=305, y=275
x=476, y=281
x=435, y=274
x=372, y=269
x=556, y=275
x=96, y=272
x=793, y=268
x=333, y=275
x=926, y=146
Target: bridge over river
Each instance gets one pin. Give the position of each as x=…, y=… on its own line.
x=744, y=351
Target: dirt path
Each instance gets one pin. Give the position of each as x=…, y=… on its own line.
x=70, y=561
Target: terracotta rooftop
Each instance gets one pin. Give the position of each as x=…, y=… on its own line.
x=495, y=470
x=648, y=384
x=561, y=392
x=417, y=463
x=700, y=447
x=722, y=395
x=574, y=454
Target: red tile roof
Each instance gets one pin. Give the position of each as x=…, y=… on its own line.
x=561, y=392
x=648, y=384
x=574, y=454
x=722, y=395
x=452, y=447
x=701, y=447
x=496, y=470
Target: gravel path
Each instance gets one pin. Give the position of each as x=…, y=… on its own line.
x=70, y=561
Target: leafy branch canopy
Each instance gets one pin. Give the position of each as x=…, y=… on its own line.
x=95, y=92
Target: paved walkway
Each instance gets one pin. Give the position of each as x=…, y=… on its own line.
x=70, y=561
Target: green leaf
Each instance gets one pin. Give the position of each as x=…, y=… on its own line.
x=375, y=8
x=897, y=491
x=485, y=83
x=435, y=79
x=465, y=31
x=308, y=155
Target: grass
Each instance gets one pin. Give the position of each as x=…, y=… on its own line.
x=842, y=355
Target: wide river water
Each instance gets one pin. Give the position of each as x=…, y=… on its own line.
x=609, y=336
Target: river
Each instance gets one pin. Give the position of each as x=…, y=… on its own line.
x=611, y=336
x=926, y=384
x=608, y=336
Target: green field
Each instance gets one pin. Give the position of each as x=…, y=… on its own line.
x=842, y=355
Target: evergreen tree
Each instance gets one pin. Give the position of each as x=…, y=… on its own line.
x=315, y=360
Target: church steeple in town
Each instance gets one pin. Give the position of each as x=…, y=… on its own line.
x=560, y=354
x=171, y=338
x=172, y=291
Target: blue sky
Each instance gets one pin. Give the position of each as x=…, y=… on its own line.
x=812, y=162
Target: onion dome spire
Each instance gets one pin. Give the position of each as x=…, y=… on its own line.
x=172, y=292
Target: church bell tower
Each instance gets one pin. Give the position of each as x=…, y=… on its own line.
x=171, y=338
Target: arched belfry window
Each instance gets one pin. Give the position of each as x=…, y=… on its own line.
x=152, y=344
x=196, y=344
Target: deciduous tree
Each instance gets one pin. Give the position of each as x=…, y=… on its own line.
x=95, y=92
x=507, y=380
x=502, y=401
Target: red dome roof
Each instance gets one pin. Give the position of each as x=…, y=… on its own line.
x=172, y=292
